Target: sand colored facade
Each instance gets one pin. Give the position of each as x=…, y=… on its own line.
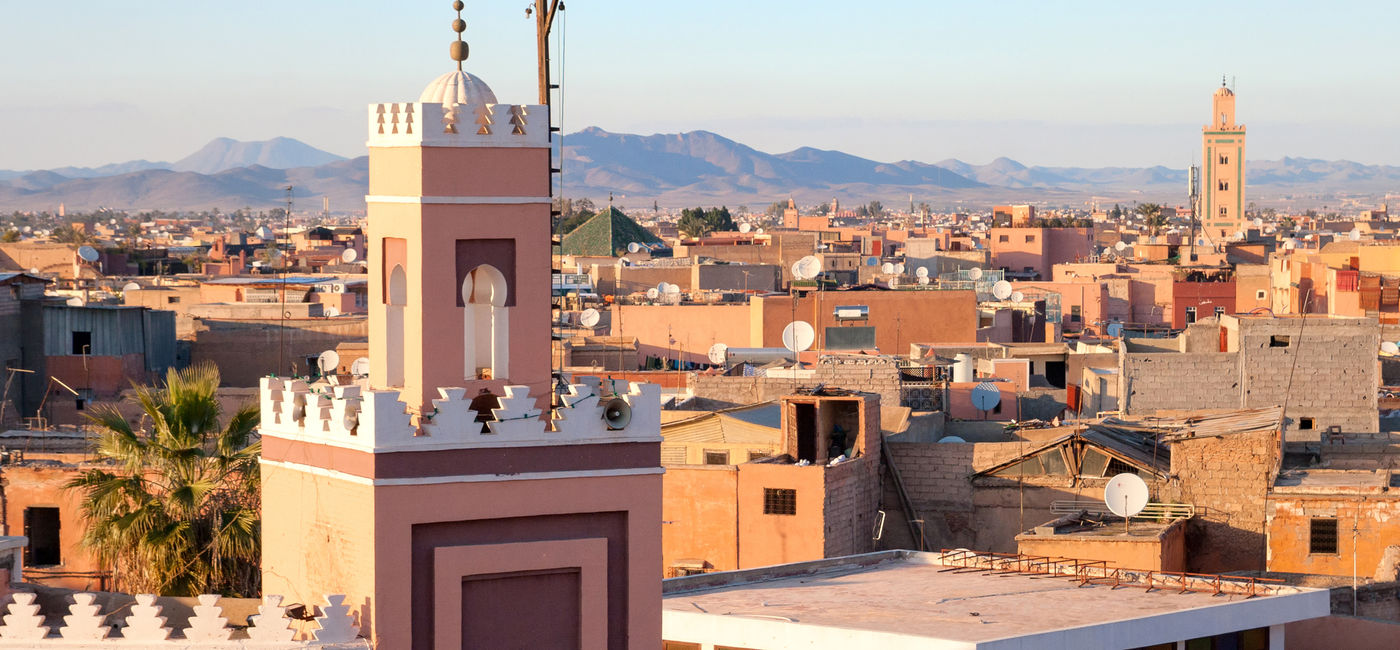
x=1222, y=170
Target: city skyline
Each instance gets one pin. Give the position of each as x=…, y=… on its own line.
x=1081, y=87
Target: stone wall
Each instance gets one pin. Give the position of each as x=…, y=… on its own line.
x=1226, y=478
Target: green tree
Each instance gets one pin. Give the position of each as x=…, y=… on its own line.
x=1152, y=214
x=178, y=514
x=10, y=236
x=692, y=224
x=1116, y=213
x=70, y=235
x=720, y=220
x=875, y=209
x=775, y=209
x=822, y=209
x=569, y=224
x=1289, y=224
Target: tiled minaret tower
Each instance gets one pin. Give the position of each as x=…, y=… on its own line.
x=1222, y=150
x=531, y=530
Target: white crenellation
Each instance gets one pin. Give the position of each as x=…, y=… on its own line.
x=336, y=623
x=482, y=125
x=84, y=622
x=208, y=622
x=24, y=622
x=271, y=624
x=145, y=622
x=375, y=420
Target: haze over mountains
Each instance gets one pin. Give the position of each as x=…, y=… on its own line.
x=674, y=169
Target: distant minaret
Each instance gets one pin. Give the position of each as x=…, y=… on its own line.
x=1222, y=151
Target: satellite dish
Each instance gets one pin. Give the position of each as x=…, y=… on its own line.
x=1120, y=246
x=672, y=290
x=349, y=256
x=1125, y=495
x=88, y=253
x=921, y=272
x=1354, y=235
x=617, y=414
x=34, y=271
x=75, y=302
x=28, y=229
x=887, y=268
x=663, y=287
x=899, y=268
x=331, y=312
x=986, y=396
x=745, y=228
x=1200, y=241
x=872, y=261
x=893, y=282
x=759, y=231
x=360, y=368
x=1017, y=296
x=131, y=286
x=807, y=268
x=1258, y=222
x=589, y=318
x=653, y=293
x=719, y=354
x=923, y=280
x=328, y=362
x=1389, y=347
x=798, y=336
x=1001, y=290
x=951, y=439
x=1115, y=329
x=111, y=222
x=634, y=247
x=974, y=273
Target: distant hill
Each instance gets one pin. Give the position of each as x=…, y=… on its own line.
x=698, y=167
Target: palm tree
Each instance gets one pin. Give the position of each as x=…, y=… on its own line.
x=1152, y=214
x=178, y=514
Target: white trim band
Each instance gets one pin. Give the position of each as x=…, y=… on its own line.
x=457, y=200
x=461, y=478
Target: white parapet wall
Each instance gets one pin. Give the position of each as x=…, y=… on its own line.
x=377, y=421
x=416, y=124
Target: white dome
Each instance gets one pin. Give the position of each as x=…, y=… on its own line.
x=458, y=87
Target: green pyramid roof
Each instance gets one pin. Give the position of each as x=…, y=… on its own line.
x=607, y=233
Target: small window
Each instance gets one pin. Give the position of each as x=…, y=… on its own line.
x=1307, y=424
x=1003, y=238
x=1030, y=239
x=1190, y=315
x=1322, y=536
x=79, y=404
x=720, y=457
x=1075, y=315
x=41, y=526
x=1278, y=341
x=779, y=501
x=1259, y=295
x=1224, y=159
x=170, y=300
x=1224, y=185
x=1116, y=467
x=755, y=454
x=82, y=342
x=1219, y=311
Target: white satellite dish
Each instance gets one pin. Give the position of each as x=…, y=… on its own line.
x=662, y=288
x=921, y=272
x=589, y=318
x=807, y=268
x=653, y=293
x=331, y=312
x=1001, y=290
x=1354, y=235
x=328, y=362
x=1120, y=246
x=974, y=273
x=1125, y=495
x=986, y=396
x=899, y=268
x=88, y=253
x=634, y=247
x=951, y=439
x=887, y=268
x=893, y=282
x=34, y=271
x=745, y=228
x=1017, y=296
x=75, y=302
x=349, y=256
x=798, y=336
x=719, y=354
x=360, y=368
x=923, y=280
x=1389, y=347
x=1258, y=222
x=672, y=289
x=759, y=231
x=131, y=286
x=28, y=229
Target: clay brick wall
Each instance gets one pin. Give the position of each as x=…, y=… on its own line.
x=1170, y=381
x=866, y=374
x=1226, y=478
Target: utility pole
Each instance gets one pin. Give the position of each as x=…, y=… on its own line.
x=544, y=21
x=1193, y=189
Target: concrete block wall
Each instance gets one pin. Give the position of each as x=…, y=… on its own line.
x=1333, y=367
x=877, y=375
x=1170, y=381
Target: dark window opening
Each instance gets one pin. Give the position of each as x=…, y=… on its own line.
x=1307, y=424
x=807, y=432
x=41, y=526
x=1277, y=341
x=1030, y=239
x=170, y=300
x=1004, y=238
x=1190, y=315
x=79, y=404
x=1116, y=467
x=779, y=501
x=755, y=454
x=82, y=342
x=1322, y=536
x=1224, y=160
x=716, y=457
x=485, y=404
x=1219, y=311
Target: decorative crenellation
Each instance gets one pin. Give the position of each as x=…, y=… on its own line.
x=376, y=420
x=86, y=627
x=432, y=124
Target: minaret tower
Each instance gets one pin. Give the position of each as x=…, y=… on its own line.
x=1222, y=149
x=449, y=520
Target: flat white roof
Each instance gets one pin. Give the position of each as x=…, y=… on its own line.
x=901, y=599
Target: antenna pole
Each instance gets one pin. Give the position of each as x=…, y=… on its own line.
x=282, y=331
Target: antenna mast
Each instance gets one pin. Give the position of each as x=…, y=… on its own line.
x=282, y=331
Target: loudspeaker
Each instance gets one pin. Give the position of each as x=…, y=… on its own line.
x=617, y=414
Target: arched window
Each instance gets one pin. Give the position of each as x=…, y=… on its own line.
x=485, y=323
x=394, y=329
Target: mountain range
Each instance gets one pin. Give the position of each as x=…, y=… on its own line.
x=673, y=169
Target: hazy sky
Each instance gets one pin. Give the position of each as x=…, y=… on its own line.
x=1051, y=83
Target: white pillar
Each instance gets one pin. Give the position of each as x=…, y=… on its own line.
x=1276, y=641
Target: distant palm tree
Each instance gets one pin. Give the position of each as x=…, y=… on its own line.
x=179, y=513
x=1152, y=215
